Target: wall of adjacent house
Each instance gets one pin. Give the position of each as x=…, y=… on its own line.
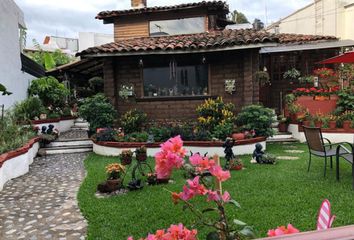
x=16, y=81
x=324, y=17
x=238, y=65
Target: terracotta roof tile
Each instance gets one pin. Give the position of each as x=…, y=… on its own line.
x=206, y=4
x=201, y=41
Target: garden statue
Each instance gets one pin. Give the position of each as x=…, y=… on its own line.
x=229, y=154
x=261, y=157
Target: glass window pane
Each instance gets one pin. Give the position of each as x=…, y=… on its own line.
x=176, y=81
x=177, y=26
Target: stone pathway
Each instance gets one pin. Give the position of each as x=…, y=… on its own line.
x=42, y=204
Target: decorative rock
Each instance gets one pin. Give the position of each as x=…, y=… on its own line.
x=287, y=158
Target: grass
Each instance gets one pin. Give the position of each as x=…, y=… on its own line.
x=270, y=195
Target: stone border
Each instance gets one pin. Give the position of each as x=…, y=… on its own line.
x=62, y=124
x=16, y=163
x=242, y=147
x=334, y=135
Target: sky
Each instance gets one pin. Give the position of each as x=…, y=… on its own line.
x=68, y=17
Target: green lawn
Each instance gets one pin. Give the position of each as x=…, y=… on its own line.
x=270, y=195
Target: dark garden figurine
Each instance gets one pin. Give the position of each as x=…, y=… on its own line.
x=261, y=157
x=50, y=129
x=229, y=154
x=44, y=130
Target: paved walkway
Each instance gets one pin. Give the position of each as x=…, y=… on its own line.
x=73, y=134
x=42, y=204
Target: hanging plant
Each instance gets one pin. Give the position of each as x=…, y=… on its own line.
x=292, y=75
x=263, y=78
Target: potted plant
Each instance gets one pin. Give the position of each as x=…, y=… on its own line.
x=318, y=120
x=262, y=77
x=294, y=109
x=126, y=157
x=307, y=120
x=151, y=178
x=347, y=118
x=114, y=172
x=236, y=164
x=292, y=75
x=332, y=123
x=141, y=154
x=283, y=123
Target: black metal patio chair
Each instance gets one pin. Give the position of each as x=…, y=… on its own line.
x=348, y=156
x=318, y=148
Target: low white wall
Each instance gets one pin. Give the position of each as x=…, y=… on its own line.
x=17, y=166
x=62, y=125
x=238, y=150
x=333, y=137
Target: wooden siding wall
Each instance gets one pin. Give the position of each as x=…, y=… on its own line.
x=138, y=26
x=237, y=65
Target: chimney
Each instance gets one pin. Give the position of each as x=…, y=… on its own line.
x=138, y=3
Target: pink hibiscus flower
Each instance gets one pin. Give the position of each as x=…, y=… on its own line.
x=220, y=174
x=282, y=230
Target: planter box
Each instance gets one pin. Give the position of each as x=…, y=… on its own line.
x=241, y=147
x=323, y=106
x=16, y=163
x=62, y=124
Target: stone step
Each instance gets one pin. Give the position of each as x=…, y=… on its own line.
x=75, y=128
x=280, y=140
x=65, y=149
x=70, y=142
x=282, y=135
x=82, y=125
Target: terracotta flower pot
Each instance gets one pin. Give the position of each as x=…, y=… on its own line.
x=237, y=167
x=306, y=123
x=346, y=124
x=238, y=136
x=318, y=124
x=332, y=124
x=283, y=127
x=114, y=184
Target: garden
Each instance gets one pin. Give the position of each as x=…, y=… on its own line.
x=325, y=101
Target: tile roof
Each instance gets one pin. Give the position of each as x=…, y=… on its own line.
x=200, y=41
x=205, y=4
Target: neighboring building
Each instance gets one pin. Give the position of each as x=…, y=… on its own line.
x=90, y=39
x=322, y=17
x=194, y=59
x=16, y=70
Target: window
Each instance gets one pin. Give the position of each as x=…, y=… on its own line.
x=177, y=26
x=173, y=80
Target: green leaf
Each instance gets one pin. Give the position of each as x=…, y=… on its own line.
x=235, y=203
x=209, y=210
x=239, y=222
x=248, y=232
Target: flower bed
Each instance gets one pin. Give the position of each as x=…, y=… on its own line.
x=16, y=163
x=245, y=146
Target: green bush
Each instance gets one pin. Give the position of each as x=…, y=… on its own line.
x=13, y=135
x=50, y=91
x=133, y=121
x=222, y=131
x=136, y=137
x=98, y=111
x=258, y=118
x=214, y=112
x=29, y=109
x=345, y=101
x=160, y=133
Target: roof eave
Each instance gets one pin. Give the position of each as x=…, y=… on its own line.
x=170, y=52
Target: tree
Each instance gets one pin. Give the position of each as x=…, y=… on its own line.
x=239, y=17
x=47, y=59
x=3, y=90
x=258, y=24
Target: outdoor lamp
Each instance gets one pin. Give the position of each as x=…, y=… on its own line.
x=141, y=63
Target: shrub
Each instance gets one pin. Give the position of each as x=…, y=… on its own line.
x=161, y=133
x=50, y=91
x=133, y=121
x=98, y=111
x=258, y=118
x=136, y=137
x=222, y=131
x=29, y=109
x=345, y=101
x=12, y=135
x=213, y=113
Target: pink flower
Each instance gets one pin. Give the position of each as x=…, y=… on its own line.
x=220, y=174
x=226, y=197
x=201, y=163
x=197, y=188
x=170, y=157
x=174, y=232
x=215, y=196
x=282, y=230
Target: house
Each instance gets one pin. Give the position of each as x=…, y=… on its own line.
x=170, y=59
x=16, y=69
x=322, y=17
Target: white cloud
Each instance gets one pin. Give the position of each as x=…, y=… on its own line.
x=68, y=17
